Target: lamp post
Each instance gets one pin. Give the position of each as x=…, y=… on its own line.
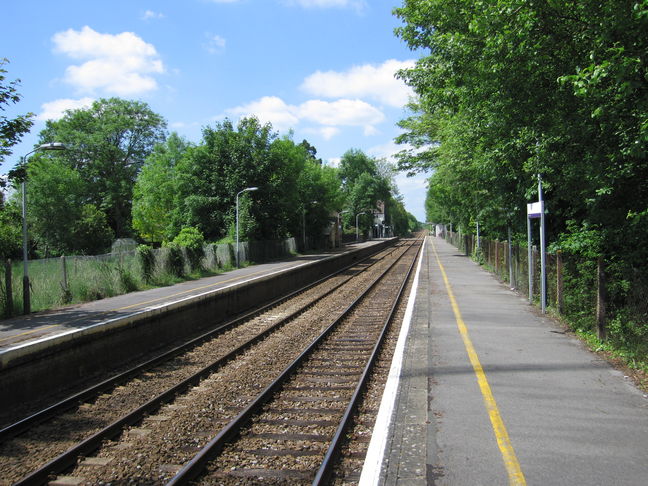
x=357, y=230
x=543, y=251
x=237, y=220
x=26, y=296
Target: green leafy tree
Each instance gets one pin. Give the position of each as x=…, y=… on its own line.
x=10, y=231
x=365, y=183
x=155, y=188
x=61, y=219
x=228, y=160
x=108, y=144
x=11, y=129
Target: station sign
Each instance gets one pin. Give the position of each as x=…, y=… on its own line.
x=534, y=210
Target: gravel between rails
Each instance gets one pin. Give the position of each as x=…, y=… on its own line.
x=188, y=421
x=285, y=448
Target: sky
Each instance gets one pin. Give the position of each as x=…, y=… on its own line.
x=323, y=69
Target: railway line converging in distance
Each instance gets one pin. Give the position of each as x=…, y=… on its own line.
x=270, y=397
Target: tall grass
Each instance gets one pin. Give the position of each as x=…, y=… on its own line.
x=97, y=277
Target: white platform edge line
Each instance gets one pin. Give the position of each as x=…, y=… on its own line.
x=375, y=453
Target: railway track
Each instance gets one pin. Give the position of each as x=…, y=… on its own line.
x=236, y=371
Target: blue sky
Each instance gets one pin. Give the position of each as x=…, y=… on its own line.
x=322, y=68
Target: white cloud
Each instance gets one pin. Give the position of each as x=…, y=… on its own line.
x=150, y=14
x=334, y=161
x=376, y=82
x=341, y=112
x=53, y=110
x=329, y=114
x=215, y=43
x=269, y=109
x=121, y=64
x=328, y=133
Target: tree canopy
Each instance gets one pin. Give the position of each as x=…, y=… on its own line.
x=507, y=90
x=107, y=145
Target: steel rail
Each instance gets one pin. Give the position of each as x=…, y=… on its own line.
x=215, y=446
x=323, y=475
x=25, y=424
x=69, y=457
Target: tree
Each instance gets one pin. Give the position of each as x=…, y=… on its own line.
x=364, y=185
x=108, y=144
x=61, y=219
x=155, y=188
x=11, y=129
x=228, y=160
x=10, y=231
x=510, y=90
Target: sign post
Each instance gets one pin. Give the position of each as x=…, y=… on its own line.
x=535, y=211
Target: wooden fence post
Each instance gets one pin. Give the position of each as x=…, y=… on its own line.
x=559, y=283
x=497, y=258
x=8, y=290
x=601, y=297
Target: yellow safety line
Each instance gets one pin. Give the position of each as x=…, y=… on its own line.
x=516, y=477
x=132, y=305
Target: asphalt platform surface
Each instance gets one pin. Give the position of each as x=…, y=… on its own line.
x=492, y=392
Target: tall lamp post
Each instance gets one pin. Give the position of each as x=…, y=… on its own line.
x=237, y=220
x=26, y=292
x=357, y=230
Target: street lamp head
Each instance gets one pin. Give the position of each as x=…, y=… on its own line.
x=52, y=146
x=252, y=189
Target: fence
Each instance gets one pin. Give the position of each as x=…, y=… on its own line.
x=589, y=293
x=65, y=280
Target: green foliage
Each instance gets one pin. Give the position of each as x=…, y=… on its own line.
x=508, y=90
x=231, y=158
x=127, y=280
x=107, y=145
x=11, y=129
x=10, y=231
x=174, y=262
x=146, y=259
x=155, y=188
x=495, y=107
x=192, y=240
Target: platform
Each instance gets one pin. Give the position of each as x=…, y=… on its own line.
x=23, y=330
x=49, y=353
x=489, y=391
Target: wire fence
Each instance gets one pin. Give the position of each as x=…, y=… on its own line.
x=592, y=294
x=72, y=279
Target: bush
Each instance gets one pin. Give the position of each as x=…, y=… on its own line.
x=174, y=261
x=193, y=240
x=147, y=262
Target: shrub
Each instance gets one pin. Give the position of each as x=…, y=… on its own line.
x=146, y=259
x=174, y=261
x=193, y=240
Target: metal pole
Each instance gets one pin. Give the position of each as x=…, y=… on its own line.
x=26, y=296
x=357, y=229
x=510, y=259
x=304, y=227
x=530, y=260
x=237, y=230
x=478, y=239
x=543, y=269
